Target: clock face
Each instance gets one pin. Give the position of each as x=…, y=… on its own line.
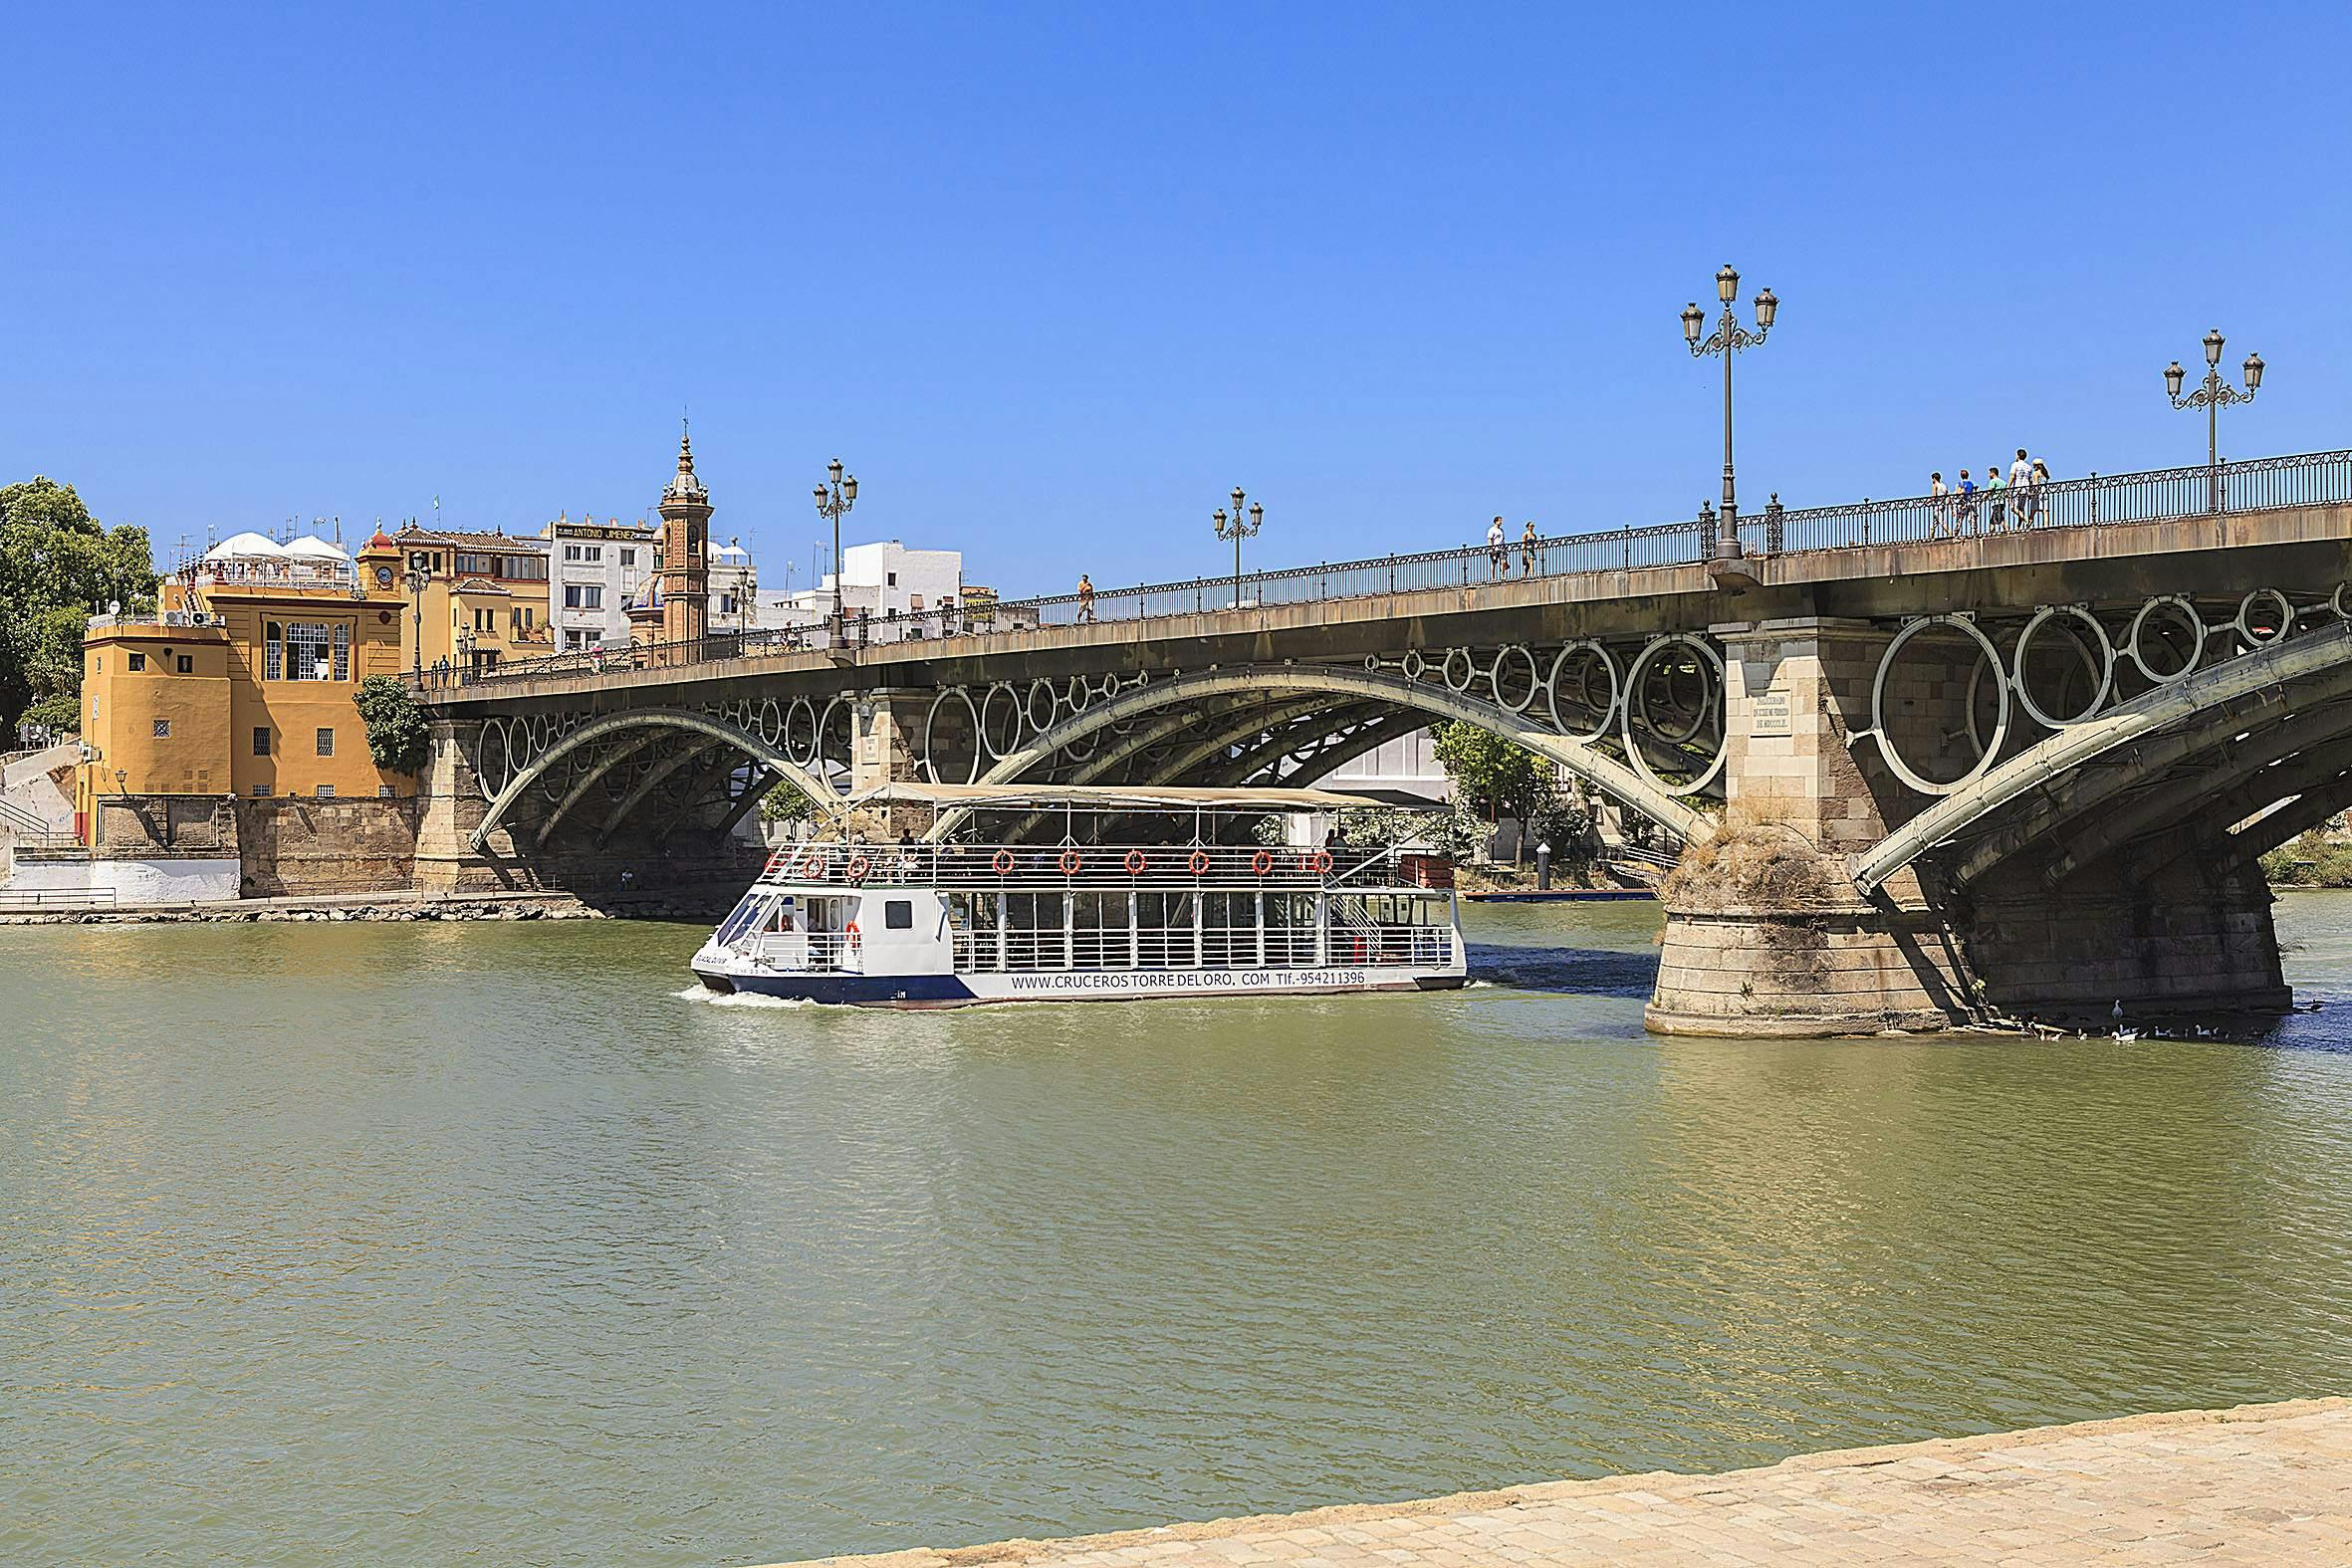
x=383, y=576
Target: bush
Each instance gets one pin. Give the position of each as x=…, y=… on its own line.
x=397, y=737
x=2313, y=860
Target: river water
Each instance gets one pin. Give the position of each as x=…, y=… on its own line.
x=442, y=1243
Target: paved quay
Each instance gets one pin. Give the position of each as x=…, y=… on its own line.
x=2259, y=1484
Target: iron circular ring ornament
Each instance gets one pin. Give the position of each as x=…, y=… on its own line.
x=2105, y=668
x=1637, y=699
x=1413, y=664
x=2245, y=607
x=1029, y=709
x=825, y=723
x=1878, y=690
x=484, y=772
x=793, y=752
x=2335, y=601
x=1083, y=748
x=1625, y=706
x=771, y=722
x=1608, y=713
x=1078, y=693
x=2131, y=641
x=1494, y=679
x=931, y=728
x=987, y=739
x=1469, y=670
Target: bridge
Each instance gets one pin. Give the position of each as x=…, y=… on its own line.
x=1927, y=763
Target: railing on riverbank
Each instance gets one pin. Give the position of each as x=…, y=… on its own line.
x=2115, y=500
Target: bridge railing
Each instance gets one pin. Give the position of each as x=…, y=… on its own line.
x=2254, y=485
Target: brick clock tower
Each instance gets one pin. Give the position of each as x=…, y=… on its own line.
x=683, y=578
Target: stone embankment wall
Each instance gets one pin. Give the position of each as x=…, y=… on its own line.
x=295, y=846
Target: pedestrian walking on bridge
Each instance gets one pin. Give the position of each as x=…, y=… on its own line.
x=1085, y=598
x=1526, y=551
x=1498, y=552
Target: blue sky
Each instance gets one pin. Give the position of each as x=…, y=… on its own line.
x=1052, y=279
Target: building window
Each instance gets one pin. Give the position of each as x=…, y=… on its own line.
x=893, y=577
x=261, y=789
x=384, y=791
x=476, y=565
x=326, y=743
x=520, y=618
x=138, y=661
x=162, y=728
x=315, y=651
x=629, y=557
x=188, y=664
x=261, y=740
x=571, y=552
x=525, y=569
x=325, y=792
x=273, y=651
x=583, y=595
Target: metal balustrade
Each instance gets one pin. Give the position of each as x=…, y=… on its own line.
x=2098, y=501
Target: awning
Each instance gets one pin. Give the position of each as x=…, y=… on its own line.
x=1109, y=798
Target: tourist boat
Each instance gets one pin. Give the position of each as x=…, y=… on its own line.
x=1185, y=905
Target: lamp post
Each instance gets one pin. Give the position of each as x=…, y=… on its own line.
x=1237, y=528
x=1728, y=340
x=2214, y=395
x=416, y=578
x=832, y=502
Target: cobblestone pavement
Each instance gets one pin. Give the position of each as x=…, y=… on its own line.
x=2261, y=1483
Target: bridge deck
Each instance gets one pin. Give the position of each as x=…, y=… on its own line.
x=1917, y=577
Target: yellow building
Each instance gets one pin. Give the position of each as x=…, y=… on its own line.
x=473, y=600
x=241, y=683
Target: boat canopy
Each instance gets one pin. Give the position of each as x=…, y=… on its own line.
x=1109, y=798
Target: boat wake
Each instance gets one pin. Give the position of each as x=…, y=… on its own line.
x=740, y=999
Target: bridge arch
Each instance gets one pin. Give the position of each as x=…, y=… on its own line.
x=2271, y=703
x=558, y=749
x=1343, y=684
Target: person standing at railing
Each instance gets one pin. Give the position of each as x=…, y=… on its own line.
x=1996, y=501
x=1498, y=552
x=1085, y=598
x=1938, y=505
x=1967, y=518
x=1526, y=551
x=2034, y=481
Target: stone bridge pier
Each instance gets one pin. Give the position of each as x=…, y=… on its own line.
x=1794, y=919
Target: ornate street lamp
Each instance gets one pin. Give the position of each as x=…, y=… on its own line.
x=1728, y=340
x=1238, y=528
x=2214, y=395
x=832, y=502
x=415, y=579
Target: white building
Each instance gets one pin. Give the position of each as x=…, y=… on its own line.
x=597, y=568
x=734, y=584
x=884, y=582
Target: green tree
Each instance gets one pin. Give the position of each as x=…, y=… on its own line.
x=58, y=564
x=397, y=737
x=1501, y=778
x=785, y=803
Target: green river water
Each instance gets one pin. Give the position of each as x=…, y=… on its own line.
x=494, y=1243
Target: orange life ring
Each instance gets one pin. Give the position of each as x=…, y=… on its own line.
x=851, y=932
x=1262, y=862
x=1137, y=862
x=1071, y=861
x=1322, y=860
x=1199, y=863
x=1002, y=863
x=858, y=866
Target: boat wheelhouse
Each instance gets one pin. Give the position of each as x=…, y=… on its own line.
x=1149, y=892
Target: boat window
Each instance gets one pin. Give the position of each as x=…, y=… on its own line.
x=740, y=920
x=899, y=914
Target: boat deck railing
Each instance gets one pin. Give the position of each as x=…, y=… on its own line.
x=990, y=868
x=1204, y=947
